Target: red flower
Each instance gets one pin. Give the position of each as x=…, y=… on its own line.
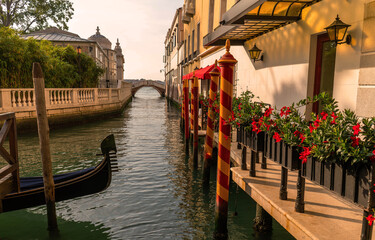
x=297, y=133
x=302, y=138
x=370, y=218
x=303, y=155
x=239, y=106
x=283, y=112
x=334, y=118
x=311, y=128
x=268, y=112
x=324, y=115
x=277, y=137
x=356, y=129
x=355, y=141
x=226, y=137
x=317, y=122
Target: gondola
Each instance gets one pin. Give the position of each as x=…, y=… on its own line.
x=67, y=186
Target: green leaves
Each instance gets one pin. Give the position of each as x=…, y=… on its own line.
x=29, y=15
x=59, y=64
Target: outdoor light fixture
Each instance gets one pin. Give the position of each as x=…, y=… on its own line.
x=336, y=32
x=255, y=53
x=79, y=50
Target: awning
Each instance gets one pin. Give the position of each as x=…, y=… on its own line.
x=249, y=19
x=204, y=73
x=188, y=76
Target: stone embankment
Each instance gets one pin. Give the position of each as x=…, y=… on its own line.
x=65, y=105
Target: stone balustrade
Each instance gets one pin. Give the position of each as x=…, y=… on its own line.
x=66, y=103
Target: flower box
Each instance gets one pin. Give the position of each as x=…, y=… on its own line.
x=318, y=172
x=293, y=161
x=328, y=175
x=268, y=146
x=338, y=178
x=363, y=185
x=257, y=141
x=278, y=152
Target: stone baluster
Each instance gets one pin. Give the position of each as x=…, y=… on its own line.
x=6, y=99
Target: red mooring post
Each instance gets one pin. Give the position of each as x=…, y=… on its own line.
x=215, y=73
x=195, y=122
x=226, y=63
x=186, y=113
x=191, y=105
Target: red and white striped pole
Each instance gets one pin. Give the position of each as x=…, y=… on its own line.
x=195, y=115
x=186, y=113
x=215, y=73
x=226, y=63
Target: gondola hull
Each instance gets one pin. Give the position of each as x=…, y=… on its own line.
x=67, y=186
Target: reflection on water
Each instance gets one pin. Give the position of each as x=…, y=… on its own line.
x=157, y=194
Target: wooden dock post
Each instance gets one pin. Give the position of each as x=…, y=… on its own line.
x=226, y=63
x=43, y=132
x=195, y=115
x=186, y=113
x=263, y=220
x=215, y=73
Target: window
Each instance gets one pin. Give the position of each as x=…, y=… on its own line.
x=188, y=45
x=192, y=41
x=198, y=36
x=211, y=16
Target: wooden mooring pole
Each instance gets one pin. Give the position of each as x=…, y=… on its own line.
x=43, y=132
x=215, y=73
x=226, y=63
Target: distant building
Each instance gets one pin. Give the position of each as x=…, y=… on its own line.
x=97, y=46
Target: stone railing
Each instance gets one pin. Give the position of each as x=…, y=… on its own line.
x=23, y=99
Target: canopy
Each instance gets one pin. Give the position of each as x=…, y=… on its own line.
x=203, y=73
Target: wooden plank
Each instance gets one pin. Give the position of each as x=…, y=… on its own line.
x=13, y=147
x=6, y=155
x=5, y=130
x=7, y=169
x=5, y=116
x=5, y=188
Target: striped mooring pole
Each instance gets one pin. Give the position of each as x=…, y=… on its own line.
x=215, y=73
x=186, y=113
x=191, y=105
x=195, y=121
x=182, y=113
x=226, y=63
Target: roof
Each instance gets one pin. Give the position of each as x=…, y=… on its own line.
x=102, y=40
x=55, y=35
x=249, y=19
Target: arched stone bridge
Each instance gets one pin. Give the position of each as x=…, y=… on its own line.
x=160, y=87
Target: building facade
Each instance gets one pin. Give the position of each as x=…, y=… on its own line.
x=97, y=47
x=299, y=60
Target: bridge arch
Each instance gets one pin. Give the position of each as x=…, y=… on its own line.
x=148, y=83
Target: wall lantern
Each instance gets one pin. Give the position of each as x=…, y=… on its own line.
x=79, y=50
x=337, y=30
x=255, y=53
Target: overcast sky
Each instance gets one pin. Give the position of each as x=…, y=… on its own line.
x=140, y=25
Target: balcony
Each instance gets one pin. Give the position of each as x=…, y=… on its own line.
x=188, y=11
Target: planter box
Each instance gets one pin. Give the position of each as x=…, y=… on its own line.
x=349, y=183
x=318, y=172
x=258, y=141
x=284, y=154
x=293, y=161
x=278, y=152
x=338, y=179
x=248, y=138
x=328, y=175
x=363, y=181
x=268, y=146
x=274, y=150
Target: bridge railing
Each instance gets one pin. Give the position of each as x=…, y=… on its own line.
x=23, y=99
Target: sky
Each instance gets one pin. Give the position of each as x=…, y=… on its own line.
x=140, y=25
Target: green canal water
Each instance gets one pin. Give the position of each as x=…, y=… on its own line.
x=157, y=193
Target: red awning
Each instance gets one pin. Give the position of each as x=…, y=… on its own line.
x=204, y=73
x=188, y=76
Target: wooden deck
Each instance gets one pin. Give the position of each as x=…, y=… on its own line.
x=327, y=216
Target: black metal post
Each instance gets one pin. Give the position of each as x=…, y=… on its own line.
x=243, y=158
x=252, y=163
x=264, y=160
x=284, y=184
x=300, y=200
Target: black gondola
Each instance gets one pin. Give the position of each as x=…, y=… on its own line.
x=67, y=186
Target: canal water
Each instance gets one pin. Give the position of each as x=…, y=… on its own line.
x=157, y=193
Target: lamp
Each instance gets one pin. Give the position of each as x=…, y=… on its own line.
x=255, y=53
x=79, y=50
x=337, y=30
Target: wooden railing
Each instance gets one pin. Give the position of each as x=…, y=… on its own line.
x=23, y=99
x=9, y=174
